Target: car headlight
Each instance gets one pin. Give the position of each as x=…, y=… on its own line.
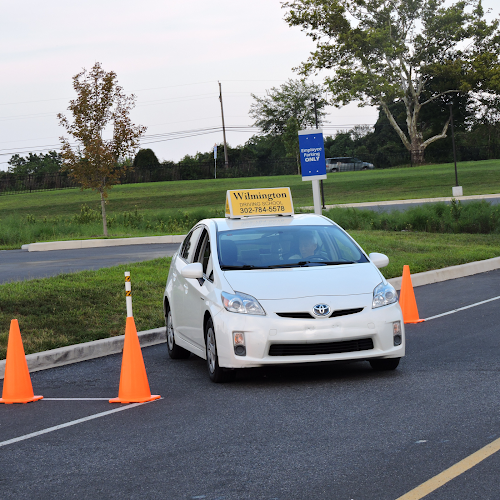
x=242, y=303
x=384, y=295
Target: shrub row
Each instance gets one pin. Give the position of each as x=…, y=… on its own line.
x=475, y=217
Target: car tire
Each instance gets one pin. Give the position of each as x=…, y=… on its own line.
x=215, y=372
x=174, y=351
x=384, y=364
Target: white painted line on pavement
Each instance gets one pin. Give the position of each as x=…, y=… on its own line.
x=462, y=308
x=75, y=399
x=69, y=424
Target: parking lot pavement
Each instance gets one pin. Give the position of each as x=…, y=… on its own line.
x=17, y=265
x=325, y=431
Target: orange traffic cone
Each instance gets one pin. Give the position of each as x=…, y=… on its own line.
x=407, y=299
x=134, y=386
x=17, y=386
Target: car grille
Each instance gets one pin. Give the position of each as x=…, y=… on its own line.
x=345, y=312
x=306, y=315
x=299, y=315
x=320, y=348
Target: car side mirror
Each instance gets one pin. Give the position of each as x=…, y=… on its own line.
x=193, y=271
x=379, y=259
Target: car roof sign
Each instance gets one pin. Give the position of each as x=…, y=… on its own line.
x=258, y=202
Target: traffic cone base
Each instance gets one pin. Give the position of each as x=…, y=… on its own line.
x=407, y=299
x=138, y=400
x=20, y=400
x=134, y=385
x=17, y=386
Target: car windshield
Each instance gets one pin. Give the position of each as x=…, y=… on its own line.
x=291, y=246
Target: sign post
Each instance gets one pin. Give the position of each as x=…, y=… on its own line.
x=312, y=162
x=215, y=161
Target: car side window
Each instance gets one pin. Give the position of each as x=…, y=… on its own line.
x=204, y=255
x=189, y=245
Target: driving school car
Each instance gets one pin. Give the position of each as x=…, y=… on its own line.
x=274, y=289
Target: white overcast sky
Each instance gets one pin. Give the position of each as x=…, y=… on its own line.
x=170, y=54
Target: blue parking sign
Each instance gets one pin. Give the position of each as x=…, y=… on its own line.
x=312, y=154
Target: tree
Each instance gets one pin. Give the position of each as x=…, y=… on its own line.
x=100, y=109
x=35, y=164
x=146, y=158
x=416, y=52
x=292, y=100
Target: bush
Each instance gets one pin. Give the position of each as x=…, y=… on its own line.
x=476, y=217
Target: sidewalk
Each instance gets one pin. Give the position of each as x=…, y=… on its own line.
x=112, y=242
x=411, y=201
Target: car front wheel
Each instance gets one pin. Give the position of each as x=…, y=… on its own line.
x=215, y=372
x=384, y=364
x=174, y=351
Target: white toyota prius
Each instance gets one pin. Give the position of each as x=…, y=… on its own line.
x=272, y=290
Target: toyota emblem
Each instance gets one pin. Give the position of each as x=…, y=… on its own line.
x=321, y=310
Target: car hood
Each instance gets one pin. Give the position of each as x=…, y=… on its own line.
x=289, y=283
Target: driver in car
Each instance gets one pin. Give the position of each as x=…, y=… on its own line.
x=307, y=246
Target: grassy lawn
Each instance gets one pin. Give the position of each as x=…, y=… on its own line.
x=428, y=181
x=90, y=305
x=173, y=207
x=84, y=306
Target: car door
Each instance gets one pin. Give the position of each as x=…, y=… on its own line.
x=200, y=291
x=182, y=301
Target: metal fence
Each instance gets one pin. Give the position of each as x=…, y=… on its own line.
x=13, y=184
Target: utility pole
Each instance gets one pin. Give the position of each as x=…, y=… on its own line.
x=315, y=100
x=226, y=162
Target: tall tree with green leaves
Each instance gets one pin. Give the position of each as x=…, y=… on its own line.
x=293, y=99
x=102, y=132
x=416, y=52
x=47, y=163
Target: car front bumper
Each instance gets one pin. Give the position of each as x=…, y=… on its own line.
x=263, y=331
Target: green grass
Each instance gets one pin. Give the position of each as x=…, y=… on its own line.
x=84, y=306
x=427, y=251
x=162, y=206
x=90, y=305
x=480, y=177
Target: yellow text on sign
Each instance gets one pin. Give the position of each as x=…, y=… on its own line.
x=257, y=202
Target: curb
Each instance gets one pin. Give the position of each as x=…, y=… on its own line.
x=449, y=273
x=75, y=244
x=85, y=351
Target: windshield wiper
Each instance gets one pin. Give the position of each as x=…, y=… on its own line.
x=235, y=268
x=311, y=263
x=294, y=264
x=339, y=262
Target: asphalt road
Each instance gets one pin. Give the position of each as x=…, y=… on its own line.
x=328, y=431
x=17, y=265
